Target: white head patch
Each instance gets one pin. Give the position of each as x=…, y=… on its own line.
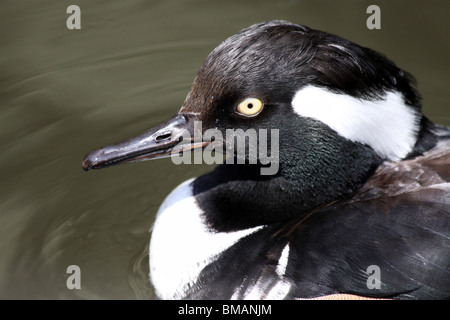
x=388, y=126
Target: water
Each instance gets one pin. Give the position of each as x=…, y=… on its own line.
x=65, y=92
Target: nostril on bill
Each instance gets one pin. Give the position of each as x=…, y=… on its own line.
x=163, y=137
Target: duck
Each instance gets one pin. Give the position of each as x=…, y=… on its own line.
x=359, y=203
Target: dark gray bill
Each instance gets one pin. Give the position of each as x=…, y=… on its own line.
x=156, y=143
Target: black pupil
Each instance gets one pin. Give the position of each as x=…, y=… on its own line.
x=250, y=105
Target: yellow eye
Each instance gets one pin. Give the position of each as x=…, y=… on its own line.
x=250, y=107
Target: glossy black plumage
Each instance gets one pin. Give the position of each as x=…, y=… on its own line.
x=276, y=58
x=388, y=214
x=399, y=221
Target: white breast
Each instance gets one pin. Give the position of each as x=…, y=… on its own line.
x=181, y=244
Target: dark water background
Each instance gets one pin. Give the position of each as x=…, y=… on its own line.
x=64, y=92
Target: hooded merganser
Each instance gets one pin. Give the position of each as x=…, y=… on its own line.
x=363, y=178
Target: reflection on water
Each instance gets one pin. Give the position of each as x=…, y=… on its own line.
x=63, y=93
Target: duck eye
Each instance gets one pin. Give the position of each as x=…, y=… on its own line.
x=249, y=107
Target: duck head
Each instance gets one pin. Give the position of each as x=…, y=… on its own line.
x=339, y=110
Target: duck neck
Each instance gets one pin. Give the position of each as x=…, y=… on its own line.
x=237, y=196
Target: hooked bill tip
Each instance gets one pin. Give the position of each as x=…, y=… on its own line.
x=90, y=160
x=86, y=164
